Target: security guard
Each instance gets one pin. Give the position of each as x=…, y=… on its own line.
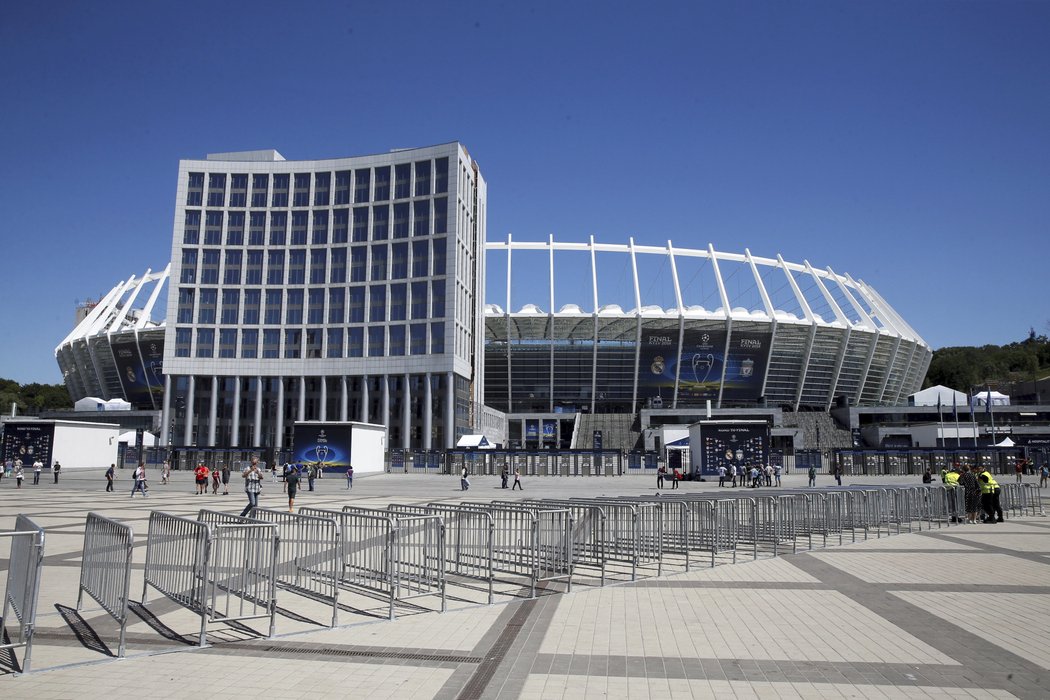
x=993, y=512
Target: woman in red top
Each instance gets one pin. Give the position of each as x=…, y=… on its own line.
x=201, y=474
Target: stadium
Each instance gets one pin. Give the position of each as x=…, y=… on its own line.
x=374, y=270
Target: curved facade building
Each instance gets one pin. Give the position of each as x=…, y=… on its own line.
x=701, y=325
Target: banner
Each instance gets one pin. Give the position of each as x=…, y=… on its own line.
x=701, y=365
x=132, y=374
x=656, y=365
x=29, y=442
x=325, y=444
x=732, y=445
x=746, y=367
x=152, y=353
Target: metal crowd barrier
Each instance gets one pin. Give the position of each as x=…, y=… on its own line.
x=105, y=569
x=310, y=555
x=398, y=556
x=1021, y=499
x=222, y=572
x=23, y=585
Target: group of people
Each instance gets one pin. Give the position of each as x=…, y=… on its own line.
x=464, y=479
x=661, y=475
x=16, y=469
x=980, y=491
x=756, y=476
x=219, y=475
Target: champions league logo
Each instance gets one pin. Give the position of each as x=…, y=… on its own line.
x=705, y=363
x=321, y=450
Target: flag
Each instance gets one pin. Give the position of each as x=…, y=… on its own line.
x=955, y=410
x=988, y=400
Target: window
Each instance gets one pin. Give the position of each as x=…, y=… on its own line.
x=299, y=220
x=238, y=191
x=232, y=273
x=441, y=175
x=253, y=271
x=192, y=231
x=382, y=192
x=194, y=189
x=340, y=226
x=321, y=185
x=182, y=342
x=275, y=267
x=227, y=342
x=293, y=315
x=362, y=184
x=231, y=299
x=420, y=261
x=273, y=307
x=422, y=178
x=315, y=310
x=336, y=309
x=421, y=226
x=354, y=342
x=313, y=342
x=419, y=300
x=397, y=302
x=338, y=266
x=402, y=180
x=301, y=193
x=213, y=228
x=210, y=266
x=271, y=343
x=335, y=342
x=439, y=256
x=252, y=301
x=378, y=262
x=235, y=228
x=260, y=184
x=397, y=340
x=293, y=340
x=440, y=216
x=360, y=232
x=342, y=187
x=318, y=258
x=278, y=228
x=377, y=303
x=399, y=261
x=357, y=264
x=216, y=189
x=401, y=220
x=206, y=308
x=418, y=339
x=249, y=343
x=437, y=338
x=320, y=229
x=437, y=305
x=280, y=191
x=297, y=266
x=375, y=341
x=189, y=268
x=205, y=342
x=257, y=228
x=357, y=305
x=185, y=310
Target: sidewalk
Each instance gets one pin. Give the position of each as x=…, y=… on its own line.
x=957, y=612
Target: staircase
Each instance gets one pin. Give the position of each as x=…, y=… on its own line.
x=819, y=430
x=619, y=431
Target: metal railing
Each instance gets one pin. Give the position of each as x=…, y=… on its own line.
x=23, y=585
x=105, y=569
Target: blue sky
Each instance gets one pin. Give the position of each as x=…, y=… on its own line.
x=906, y=143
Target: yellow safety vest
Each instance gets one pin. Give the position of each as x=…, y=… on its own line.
x=952, y=479
x=987, y=486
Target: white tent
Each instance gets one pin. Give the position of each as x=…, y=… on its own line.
x=983, y=398
x=1006, y=442
x=148, y=439
x=478, y=441
x=91, y=403
x=947, y=397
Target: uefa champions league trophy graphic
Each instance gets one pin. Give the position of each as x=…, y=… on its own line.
x=321, y=450
x=702, y=361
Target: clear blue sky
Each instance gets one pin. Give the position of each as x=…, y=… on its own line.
x=907, y=143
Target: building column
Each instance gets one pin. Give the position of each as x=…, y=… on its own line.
x=406, y=412
x=428, y=401
x=165, y=415
x=257, y=430
x=322, y=414
x=187, y=435
x=384, y=384
x=364, y=399
x=450, y=411
x=302, y=399
x=344, y=399
x=278, y=439
x=235, y=427
x=213, y=410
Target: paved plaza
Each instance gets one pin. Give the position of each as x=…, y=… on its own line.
x=956, y=612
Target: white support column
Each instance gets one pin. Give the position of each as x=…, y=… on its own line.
x=406, y=412
x=384, y=385
x=322, y=413
x=187, y=435
x=213, y=410
x=729, y=319
x=165, y=415
x=235, y=426
x=510, y=368
x=302, y=399
x=594, y=316
x=450, y=411
x=428, y=403
x=638, y=328
x=344, y=400
x=365, y=400
x=278, y=440
x=257, y=428
x=550, y=320
x=681, y=321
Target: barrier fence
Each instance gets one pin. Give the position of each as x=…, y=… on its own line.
x=223, y=572
x=105, y=569
x=22, y=590
x=308, y=563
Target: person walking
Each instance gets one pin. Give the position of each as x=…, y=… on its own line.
x=776, y=473
x=812, y=475
x=38, y=467
x=971, y=494
x=165, y=472
x=517, y=480
x=201, y=477
x=225, y=479
x=504, y=475
x=676, y=476
x=19, y=474
x=216, y=477
x=464, y=482
x=111, y=475
x=350, y=477
x=1019, y=470
x=1044, y=474
x=660, y=474
x=55, y=469
x=252, y=485
x=140, y=481
x=311, y=474
x=292, y=484
x=993, y=511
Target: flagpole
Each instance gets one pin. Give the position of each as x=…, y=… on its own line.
x=973, y=419
x=955, y=414
x=940, y=424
